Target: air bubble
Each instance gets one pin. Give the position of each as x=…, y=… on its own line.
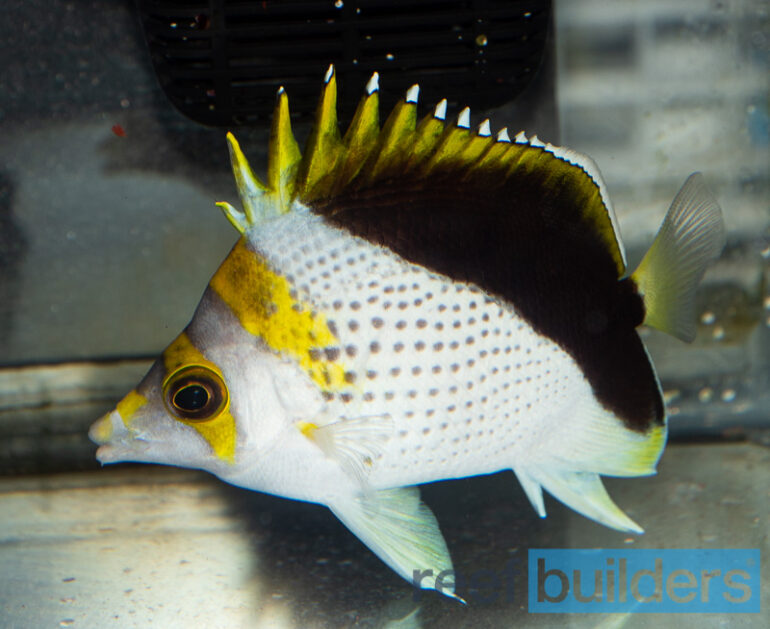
x=481, y=40
x=705, y=394
x=338, y=4
x=707, y=318
x=728, y=395
x=719, y=333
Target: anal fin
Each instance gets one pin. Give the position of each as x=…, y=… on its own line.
x=582, y=491
x=402, y=531
x=533, y=490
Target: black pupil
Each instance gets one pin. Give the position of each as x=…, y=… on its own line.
x=191, y=398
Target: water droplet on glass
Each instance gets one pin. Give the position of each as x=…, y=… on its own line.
x=707, y=318
x=481, y=40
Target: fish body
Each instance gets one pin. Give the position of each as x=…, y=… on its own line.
x=416, y=303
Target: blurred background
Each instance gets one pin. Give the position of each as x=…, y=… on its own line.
x=112, y=154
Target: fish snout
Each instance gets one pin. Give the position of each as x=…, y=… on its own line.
x=107, y=432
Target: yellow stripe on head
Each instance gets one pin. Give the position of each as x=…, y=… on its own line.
x=267, y=308
x=129, y=405
x=219, y=431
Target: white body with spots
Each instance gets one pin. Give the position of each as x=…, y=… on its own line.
x=466, y=385
x=470, y=386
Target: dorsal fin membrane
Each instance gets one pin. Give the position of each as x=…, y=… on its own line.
x=367, y=157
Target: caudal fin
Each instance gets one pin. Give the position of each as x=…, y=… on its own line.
x=692, y=235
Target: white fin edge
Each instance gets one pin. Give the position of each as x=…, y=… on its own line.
x=374, y=84
x=691, y=237
x=464, y=119
x=592, y=170
x=402, y=531
x=440, y=112
x=412, y=94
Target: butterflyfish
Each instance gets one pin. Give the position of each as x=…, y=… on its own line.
x=416, y=301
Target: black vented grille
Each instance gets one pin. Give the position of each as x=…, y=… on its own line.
x=220, y=62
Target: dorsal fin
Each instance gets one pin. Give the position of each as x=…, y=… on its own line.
x=368, y=158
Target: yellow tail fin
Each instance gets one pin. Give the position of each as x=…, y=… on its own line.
x=691, y=236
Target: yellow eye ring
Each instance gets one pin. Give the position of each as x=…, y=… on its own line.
x=195, y=393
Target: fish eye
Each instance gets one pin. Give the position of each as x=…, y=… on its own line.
x=195, y=393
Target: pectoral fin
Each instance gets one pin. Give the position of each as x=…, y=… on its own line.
x=353, y=443
x=400, y=529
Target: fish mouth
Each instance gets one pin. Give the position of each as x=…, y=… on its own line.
x=116, y=442
x=115, y=453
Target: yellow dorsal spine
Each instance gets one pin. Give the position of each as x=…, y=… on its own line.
x=394, y=137
x=360, y=139
x=428, y=133
x=250, y=188
x=324, y=146
x=284, y=154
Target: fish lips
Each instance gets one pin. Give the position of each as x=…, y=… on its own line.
x=116, y=442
